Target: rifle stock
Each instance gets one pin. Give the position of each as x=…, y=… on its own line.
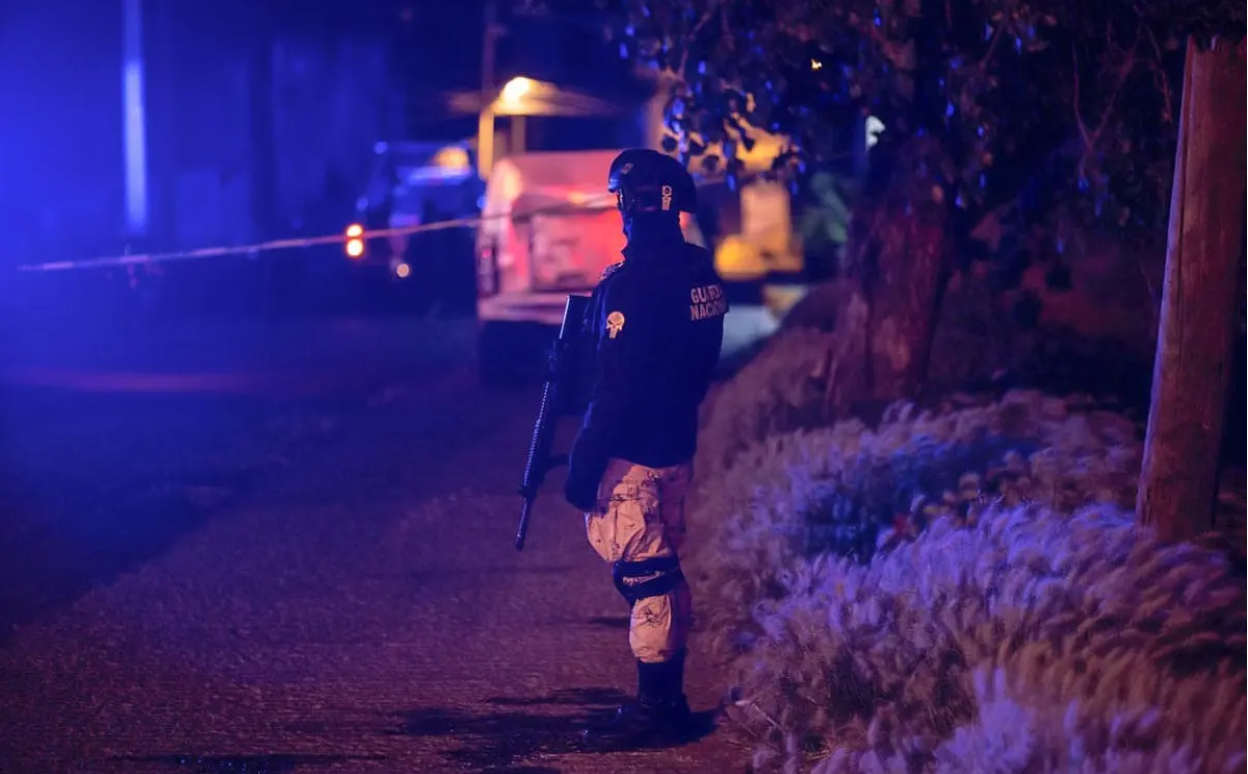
x=554, y=400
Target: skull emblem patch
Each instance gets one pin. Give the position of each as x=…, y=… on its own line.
x=615, y=323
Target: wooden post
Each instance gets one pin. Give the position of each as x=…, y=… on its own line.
x=1191, y=372
x=485, y=119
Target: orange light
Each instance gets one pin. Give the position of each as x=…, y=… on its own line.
x=402, y=271
x=515, y=90
x=355, y=248
x=451, y=157
x=355, y=230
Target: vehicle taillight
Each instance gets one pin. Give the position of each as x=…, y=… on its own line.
x=354, y=246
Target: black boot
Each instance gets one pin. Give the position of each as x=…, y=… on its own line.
x=659, y=716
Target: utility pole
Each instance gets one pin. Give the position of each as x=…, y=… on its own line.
x=1195, y=339
x=134, y=116
x=485, y=121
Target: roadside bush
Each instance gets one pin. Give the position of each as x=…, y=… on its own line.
x=1033, y=641
x=777, y=391
x=1080, y=343
x=850, y=490
x=959, y=589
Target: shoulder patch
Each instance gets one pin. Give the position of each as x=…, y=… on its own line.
x=612, y=269
x=615, y=323
x=707, y=301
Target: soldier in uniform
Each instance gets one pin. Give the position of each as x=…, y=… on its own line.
x=656, y=320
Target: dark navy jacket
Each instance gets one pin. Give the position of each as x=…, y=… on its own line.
x=656, y=325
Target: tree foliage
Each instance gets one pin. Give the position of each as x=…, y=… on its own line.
x=1034, y=119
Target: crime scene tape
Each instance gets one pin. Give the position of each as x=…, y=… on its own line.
x=292, y=243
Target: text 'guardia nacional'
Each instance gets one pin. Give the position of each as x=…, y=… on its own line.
x=707, y=301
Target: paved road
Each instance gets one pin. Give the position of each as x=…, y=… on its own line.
x=111, y=447
x=229, y=578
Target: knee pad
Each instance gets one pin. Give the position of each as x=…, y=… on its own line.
x=662, y=575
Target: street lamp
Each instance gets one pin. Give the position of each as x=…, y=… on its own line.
x=511, y=101
x=514, y=92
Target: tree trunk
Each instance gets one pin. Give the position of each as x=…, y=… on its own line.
x=898, y=256
x=904, y=298
x=1191, y=372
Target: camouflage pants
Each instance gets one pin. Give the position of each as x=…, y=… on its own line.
x=639, y=526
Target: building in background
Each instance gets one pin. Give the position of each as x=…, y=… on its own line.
x=61, y=184
x=248, y=115
x=256, y=134
x=151, y=125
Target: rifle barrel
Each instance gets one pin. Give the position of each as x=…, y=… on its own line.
x=540, y=461
x=523, y=529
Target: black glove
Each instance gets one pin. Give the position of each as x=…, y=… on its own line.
x=586, y=467
x=580, y=492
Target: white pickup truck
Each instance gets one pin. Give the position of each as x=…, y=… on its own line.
x=549, y=228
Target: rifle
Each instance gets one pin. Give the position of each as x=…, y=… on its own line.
x=556, y=394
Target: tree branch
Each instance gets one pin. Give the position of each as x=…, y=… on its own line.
x=1083, y=128
x=707, y=15
x=992, y=46
x=1090, y=139
x=1124, y=71
x=1161, y=79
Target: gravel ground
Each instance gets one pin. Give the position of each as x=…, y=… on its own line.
x=357, y=608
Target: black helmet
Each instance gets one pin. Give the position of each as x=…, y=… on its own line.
x=646, y=180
